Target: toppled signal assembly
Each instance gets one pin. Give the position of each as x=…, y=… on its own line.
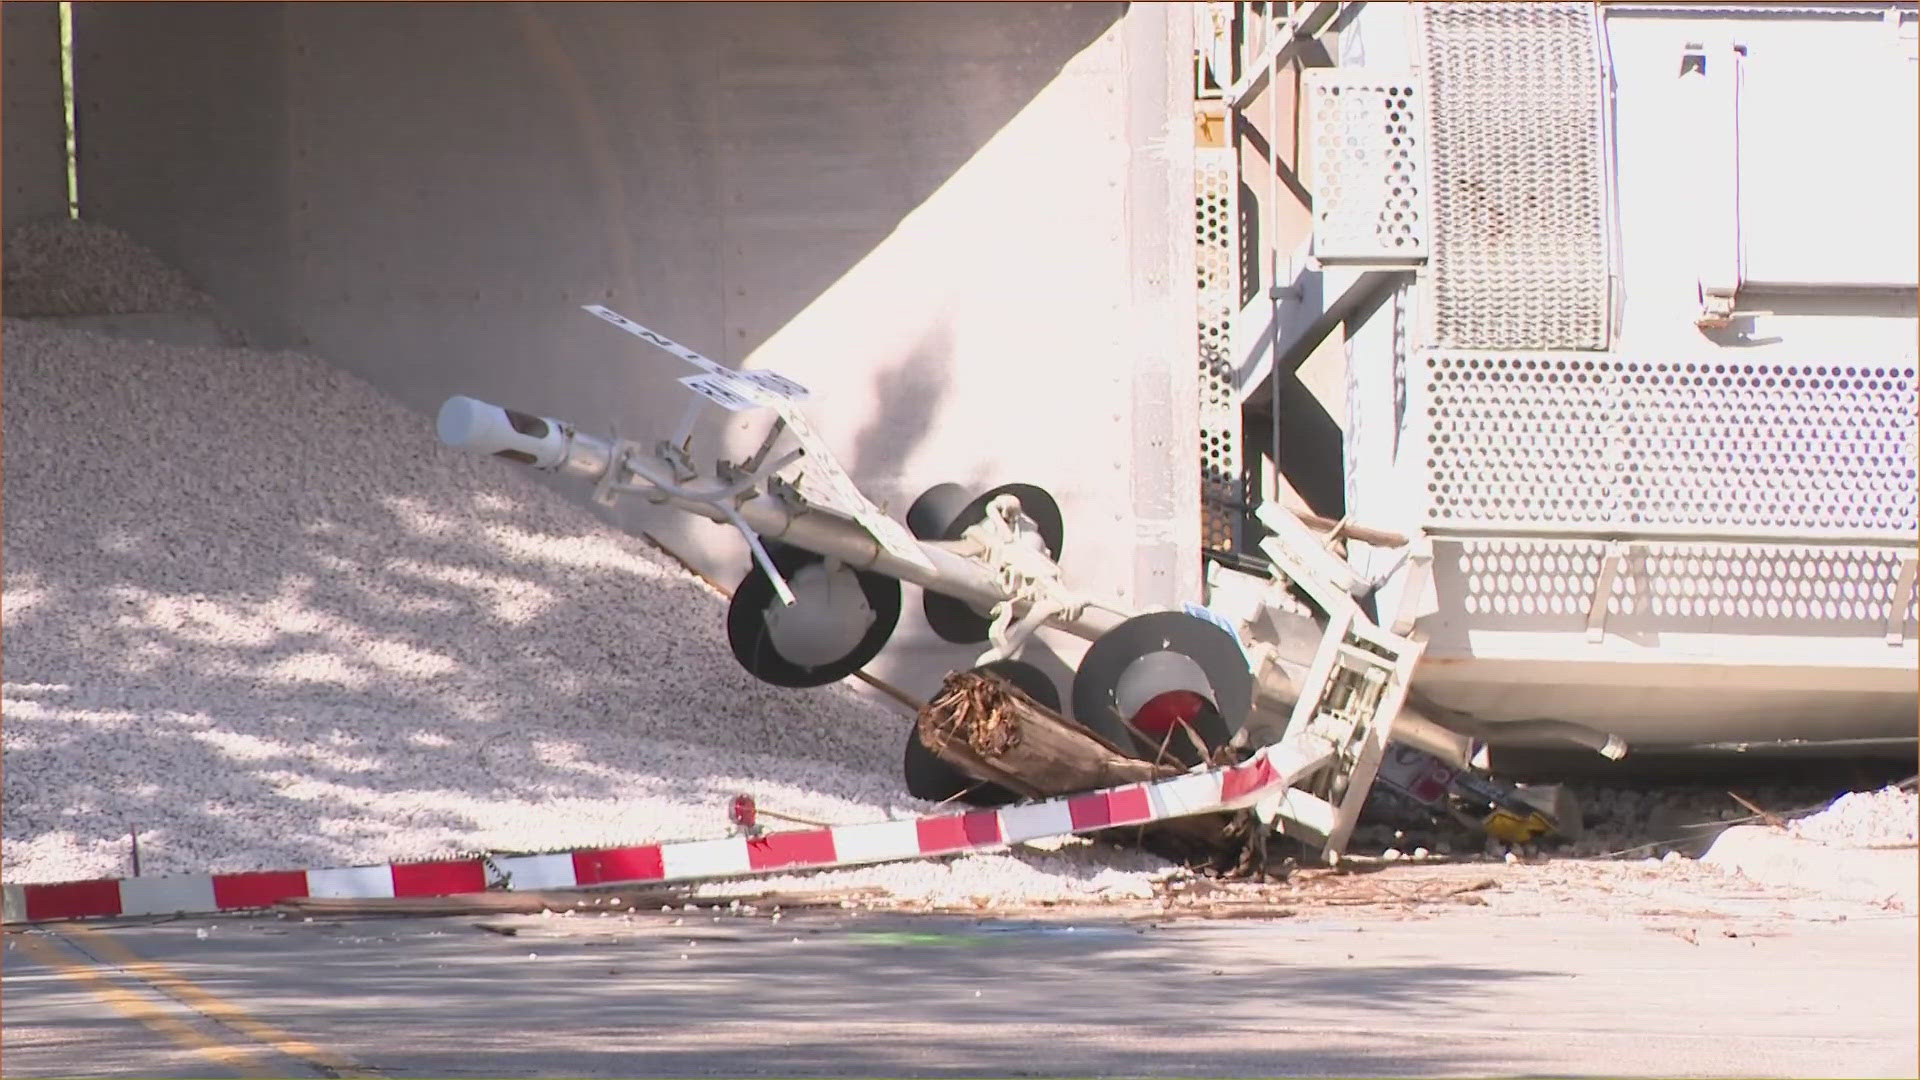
x=823, y=597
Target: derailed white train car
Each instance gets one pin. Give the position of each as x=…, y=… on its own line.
x=1618, y=309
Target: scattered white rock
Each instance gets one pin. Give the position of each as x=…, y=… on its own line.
x=1883, y=818
x=65, y=267
x=255, y=610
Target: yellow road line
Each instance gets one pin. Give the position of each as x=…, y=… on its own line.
x=136, y=1007
x=102, y=944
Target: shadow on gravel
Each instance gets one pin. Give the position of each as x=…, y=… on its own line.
x=303, y=629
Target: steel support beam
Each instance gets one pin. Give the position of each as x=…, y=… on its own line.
x=1280, y=52
x=1286, y=342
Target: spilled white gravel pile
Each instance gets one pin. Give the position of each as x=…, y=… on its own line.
x=255, y=612
x=1885, y=818
x=62, y=267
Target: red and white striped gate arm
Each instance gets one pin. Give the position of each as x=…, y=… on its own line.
x=1269, y=771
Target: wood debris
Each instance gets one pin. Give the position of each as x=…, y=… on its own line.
x=988, y=729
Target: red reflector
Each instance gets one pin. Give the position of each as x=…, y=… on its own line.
x=72, y=900
x=258, y=889
x=775, y=850
x=1158, y=715
x=619, y=865
x=743, y=812
x=439, y=878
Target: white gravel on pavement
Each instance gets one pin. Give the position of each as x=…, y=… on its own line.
x=255, y=612
x=1884, y=818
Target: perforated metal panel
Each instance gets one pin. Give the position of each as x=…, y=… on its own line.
x=1517, y=156
x=1216, y=225
x=1369, y=166
x=1581, y=441
x=1549, y=583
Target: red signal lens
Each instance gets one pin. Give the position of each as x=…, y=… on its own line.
x=1163, y=711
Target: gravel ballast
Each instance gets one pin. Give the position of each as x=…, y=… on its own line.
x=255, y=612
x=63, y=267
x=1887, y=818
x=1864, y=846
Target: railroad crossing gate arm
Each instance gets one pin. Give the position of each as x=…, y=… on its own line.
x=742, y=854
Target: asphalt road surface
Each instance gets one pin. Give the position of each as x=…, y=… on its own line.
x=1740, y=988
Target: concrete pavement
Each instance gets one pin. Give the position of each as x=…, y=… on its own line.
x=1735, y=989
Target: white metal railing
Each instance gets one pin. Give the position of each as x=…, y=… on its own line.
x=1239, y=46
